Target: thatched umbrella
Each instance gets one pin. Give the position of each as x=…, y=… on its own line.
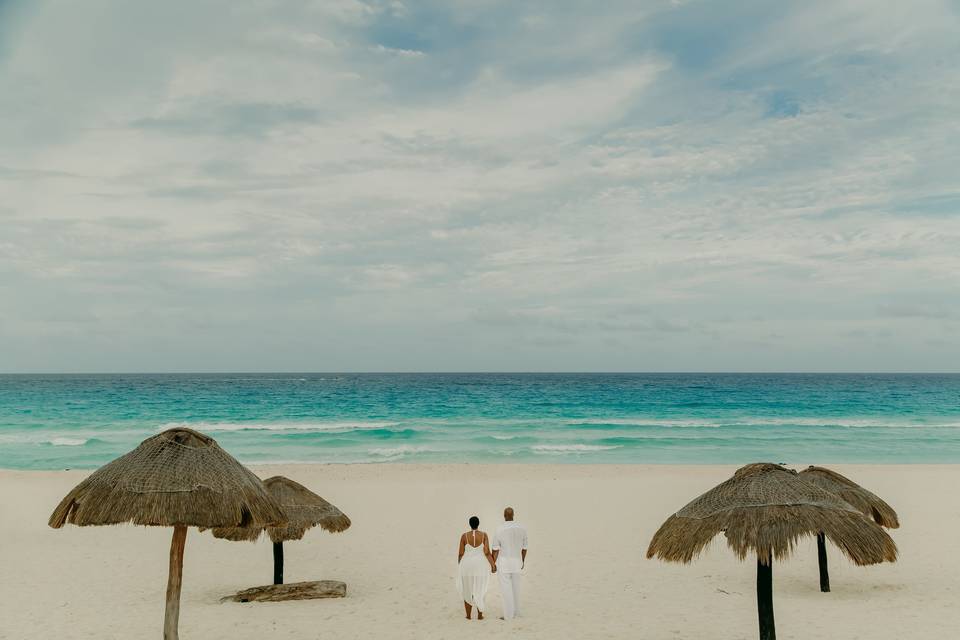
x=764, y=509
x=303, y=510
x=179, y=478
x=862, y=500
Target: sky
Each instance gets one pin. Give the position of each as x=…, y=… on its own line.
x=479, y=185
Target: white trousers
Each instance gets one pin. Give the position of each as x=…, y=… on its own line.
x=510, y=590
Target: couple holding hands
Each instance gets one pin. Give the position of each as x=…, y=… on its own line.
x=478, y=557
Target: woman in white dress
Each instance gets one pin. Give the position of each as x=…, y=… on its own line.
x=476, y=565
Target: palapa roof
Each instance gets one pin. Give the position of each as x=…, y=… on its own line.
x=178, y=477
x=764, y=509
x=864, y=501
x=302, y=508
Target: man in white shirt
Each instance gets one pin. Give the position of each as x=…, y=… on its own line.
x=510, y=554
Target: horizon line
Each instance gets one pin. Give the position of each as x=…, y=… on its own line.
x=478, y=372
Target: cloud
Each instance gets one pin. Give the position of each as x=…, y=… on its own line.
x=244, y=119
x=908, y=311
x=403, y=53
x=459, y=185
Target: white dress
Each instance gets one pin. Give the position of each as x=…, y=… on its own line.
x=474, y=573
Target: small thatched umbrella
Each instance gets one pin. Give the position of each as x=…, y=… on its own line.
x=764, y=509
x=179, y=478
x=303, y=510
x=864, y=501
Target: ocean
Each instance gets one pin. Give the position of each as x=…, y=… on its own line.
x=83, y=421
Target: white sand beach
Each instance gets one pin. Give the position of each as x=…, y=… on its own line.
x=586, y=577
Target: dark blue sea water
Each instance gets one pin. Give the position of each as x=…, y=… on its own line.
x=58, y=421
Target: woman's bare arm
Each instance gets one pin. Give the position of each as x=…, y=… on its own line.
x=463, y=542
x=486, y=552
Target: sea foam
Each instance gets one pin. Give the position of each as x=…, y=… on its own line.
x=560, y=449
x=68, y=442
x=334, y=425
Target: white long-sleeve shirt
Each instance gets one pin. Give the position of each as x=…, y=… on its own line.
x=510, y=539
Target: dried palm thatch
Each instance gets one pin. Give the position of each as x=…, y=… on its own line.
x=765, y=509
x=856, y=496
x=177, y=478
x=302, y=508
x=867, y=503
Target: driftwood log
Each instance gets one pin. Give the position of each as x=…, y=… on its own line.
x=293, y=591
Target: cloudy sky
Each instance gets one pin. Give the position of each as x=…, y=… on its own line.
x=479, y=185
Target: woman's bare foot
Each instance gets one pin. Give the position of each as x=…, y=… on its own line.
x=479, y=616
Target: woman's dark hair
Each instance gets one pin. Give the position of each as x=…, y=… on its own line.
x=474, y=522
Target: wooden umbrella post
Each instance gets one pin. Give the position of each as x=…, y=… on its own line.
x=765, y=599
x=277, y=563
x=822, y=556
x=172, y=617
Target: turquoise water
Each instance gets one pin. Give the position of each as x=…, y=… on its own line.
x=82, y=421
